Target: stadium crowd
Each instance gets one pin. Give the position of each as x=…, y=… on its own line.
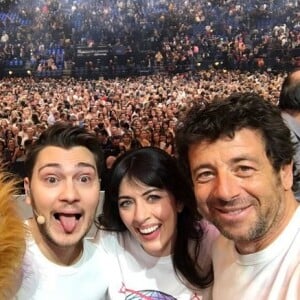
x=186, y=54
x=200, y=50
x=124, y=113
x=174, y=35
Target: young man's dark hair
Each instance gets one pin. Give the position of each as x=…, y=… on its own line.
x=65, y=136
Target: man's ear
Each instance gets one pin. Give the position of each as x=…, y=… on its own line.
x=286, y=174
x=27, y=191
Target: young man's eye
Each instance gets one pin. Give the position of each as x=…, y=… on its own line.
x=51, y=179
x=85, y=178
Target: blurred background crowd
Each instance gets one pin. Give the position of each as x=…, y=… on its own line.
x=127, y=70
x=124, y=113
x=129, y=37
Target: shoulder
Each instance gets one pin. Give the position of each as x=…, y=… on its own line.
x=122, y=244
x=294, y=287
x=111, y=240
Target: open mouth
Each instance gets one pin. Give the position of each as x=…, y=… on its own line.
x=148, y=230
x=68, y=221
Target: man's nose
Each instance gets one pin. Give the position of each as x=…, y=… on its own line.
x=226, y=186
x=69, y=192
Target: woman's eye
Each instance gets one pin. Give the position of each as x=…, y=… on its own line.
x=124, y=203
x=153, y=198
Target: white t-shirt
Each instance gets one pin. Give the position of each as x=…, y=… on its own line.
x=138, y=275
x=270, y=274
x=87, y=279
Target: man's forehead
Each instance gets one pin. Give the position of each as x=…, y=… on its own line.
x=62, y=157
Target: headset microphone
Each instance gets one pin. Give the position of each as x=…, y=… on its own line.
x=39, y=218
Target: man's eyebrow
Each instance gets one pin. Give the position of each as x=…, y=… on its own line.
x=85, y=164
x=49, y=165
x=243, y=158
x=232, y=161
x=59, y=166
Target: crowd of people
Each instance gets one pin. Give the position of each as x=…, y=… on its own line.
x=171, y=35
x=123, y=113
x=171, y=227
x=195, y=158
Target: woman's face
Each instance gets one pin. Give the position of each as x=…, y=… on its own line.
x=150, y=214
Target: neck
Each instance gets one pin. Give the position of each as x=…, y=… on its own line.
x=60, y=255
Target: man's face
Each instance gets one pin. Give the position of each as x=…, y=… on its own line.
x=64, y=188
x=237, y=188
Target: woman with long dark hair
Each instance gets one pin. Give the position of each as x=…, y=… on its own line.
x=151, y=225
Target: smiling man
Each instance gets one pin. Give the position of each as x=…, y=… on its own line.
x=63, y=186
x=239, y=155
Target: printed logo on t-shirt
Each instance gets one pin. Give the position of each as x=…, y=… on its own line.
x=148, y=294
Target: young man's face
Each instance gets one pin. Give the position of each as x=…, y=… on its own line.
x=237, y=188
x=64, y=188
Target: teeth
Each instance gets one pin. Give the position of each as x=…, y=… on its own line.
x=235, y=212
x=149, y=229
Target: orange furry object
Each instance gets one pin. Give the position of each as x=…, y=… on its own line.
x=12, y=238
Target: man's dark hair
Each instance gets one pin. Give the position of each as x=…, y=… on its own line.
x=65, y=136
x=224, y=117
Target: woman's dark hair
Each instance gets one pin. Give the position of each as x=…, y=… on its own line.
x=154, y=167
